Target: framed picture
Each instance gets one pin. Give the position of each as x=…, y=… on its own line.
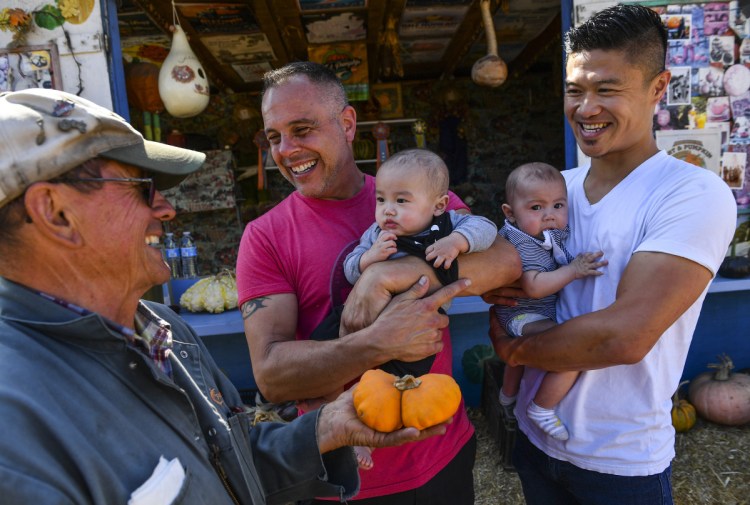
x=388, y=96
x=30, y=67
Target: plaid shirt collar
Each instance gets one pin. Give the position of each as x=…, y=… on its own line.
x=152, y=334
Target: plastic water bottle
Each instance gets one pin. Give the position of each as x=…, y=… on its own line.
x=172, y=255
x=189, y=255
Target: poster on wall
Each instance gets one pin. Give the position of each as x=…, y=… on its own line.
x=388, y=96
x=721, y=50
x=583, y=10
x=678, y=26
x=219, y=17
x=701, y=148
x=151, y=49
x=29, y=67
x=251, y=72
x=317, y=5
x=230, y=49
x=324, y=28
x=680, y=86
x=733, y=169
x=431, y=21
x=348, y=60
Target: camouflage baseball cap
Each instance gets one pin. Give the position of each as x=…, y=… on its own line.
x=45, y=133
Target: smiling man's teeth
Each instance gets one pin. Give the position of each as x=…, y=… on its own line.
x=303, y=167
x=593, y=127
x=152, y=240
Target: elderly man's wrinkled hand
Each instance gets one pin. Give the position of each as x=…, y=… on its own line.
x=339, y=426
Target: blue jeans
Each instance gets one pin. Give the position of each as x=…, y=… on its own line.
x=549, y=481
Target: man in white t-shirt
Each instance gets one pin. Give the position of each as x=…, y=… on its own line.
x=664, y=225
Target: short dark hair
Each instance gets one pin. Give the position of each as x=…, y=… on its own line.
x=534, y=171
x=318, y=74
x=433, y=166
x=635, y=30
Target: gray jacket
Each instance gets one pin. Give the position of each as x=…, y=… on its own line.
x=85, y=417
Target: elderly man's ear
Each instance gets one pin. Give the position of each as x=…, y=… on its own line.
x=51, y=215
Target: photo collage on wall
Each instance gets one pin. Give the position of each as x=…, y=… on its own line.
x=704, y=117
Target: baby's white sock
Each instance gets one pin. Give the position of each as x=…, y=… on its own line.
x=507, y=400
x=508, y=403
x=548, y=421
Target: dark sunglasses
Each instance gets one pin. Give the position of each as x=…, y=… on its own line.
x=148, y=188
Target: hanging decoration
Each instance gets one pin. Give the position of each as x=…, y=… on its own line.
x=419, y=128
x=489, y=70
x=381, y=131
x=183, y=85
x=142, y=86
x=392, y=66
x=261, y=141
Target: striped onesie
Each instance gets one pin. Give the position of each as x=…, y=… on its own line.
x=540, y=255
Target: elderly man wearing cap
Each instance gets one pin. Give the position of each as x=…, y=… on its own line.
x=108, y=399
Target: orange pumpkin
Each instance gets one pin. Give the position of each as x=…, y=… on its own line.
x=386, y=403
x=683, y=412
x=377, y=401
x=142, y=86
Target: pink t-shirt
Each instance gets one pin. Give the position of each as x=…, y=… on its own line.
x=299, y=247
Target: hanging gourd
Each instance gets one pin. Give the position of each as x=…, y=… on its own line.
x=683, y=412
x=183, y=85
x=722, y=397
x=489, y=70
x=142, y=87
x=385, y=402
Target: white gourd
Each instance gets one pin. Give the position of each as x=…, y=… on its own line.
x=215, y=294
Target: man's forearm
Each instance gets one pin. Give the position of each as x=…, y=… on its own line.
x=313, y=369
x=498, y=266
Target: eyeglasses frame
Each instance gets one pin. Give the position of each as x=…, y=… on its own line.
x=149, y=192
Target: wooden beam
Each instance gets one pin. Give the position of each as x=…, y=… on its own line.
x=552, y=34
x=394, y=10
x=284, y=31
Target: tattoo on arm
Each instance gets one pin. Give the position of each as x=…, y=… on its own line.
x=251, y=306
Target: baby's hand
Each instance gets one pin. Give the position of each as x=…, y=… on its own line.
x=586, y=264
x=445, y=250
x=381, y=249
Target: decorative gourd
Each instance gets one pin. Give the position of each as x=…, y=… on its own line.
x=386, y=403
x=489, y=70
x=722, y=396
x=183, y=85
x=215, y=294
x=683, y=412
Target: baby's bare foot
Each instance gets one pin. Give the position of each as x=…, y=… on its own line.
x=364, y=457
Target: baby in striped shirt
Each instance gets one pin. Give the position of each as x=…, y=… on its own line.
x=536, y=223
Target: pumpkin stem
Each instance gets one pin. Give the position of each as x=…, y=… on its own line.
x=407, y=382
x=723, y=369
x=676, y=396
